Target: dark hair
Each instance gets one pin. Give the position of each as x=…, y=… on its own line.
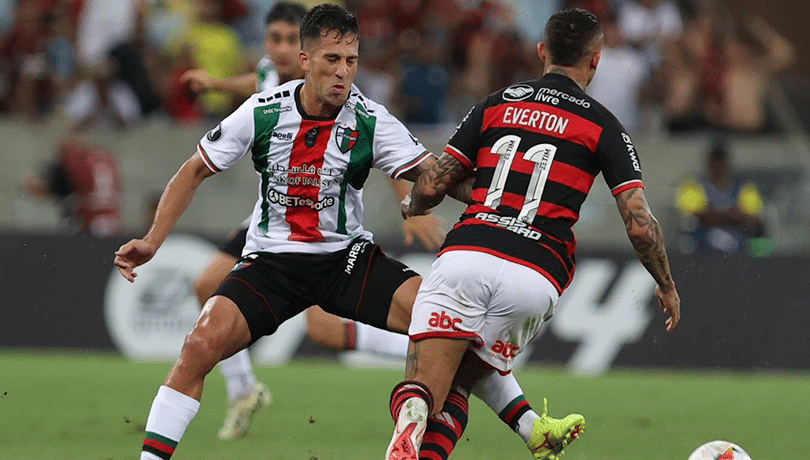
x=568, y=35
x=326, y=18
x=286, y=11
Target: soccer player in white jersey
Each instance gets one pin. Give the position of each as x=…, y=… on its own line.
x=312, y=144
x=246, y=395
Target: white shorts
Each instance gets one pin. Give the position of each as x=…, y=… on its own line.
x=498, y=304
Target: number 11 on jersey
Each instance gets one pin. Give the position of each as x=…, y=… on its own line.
x=541, y=155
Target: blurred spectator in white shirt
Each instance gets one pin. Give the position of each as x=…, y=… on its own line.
x=621, y=76
x=649, y=25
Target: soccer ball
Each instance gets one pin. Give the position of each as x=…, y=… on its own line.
x=719, y=450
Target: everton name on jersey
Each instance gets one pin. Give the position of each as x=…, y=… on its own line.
x=537, y=147
x=311, y=170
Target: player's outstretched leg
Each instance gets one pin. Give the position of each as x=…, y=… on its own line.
x=220, y=331
x=551, y=435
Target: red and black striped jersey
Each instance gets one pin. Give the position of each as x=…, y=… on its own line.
x=536, y=148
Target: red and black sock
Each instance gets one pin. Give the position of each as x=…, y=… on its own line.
x=445, y=428
x=406, y=390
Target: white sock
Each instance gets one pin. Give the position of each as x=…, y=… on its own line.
x=380, y=341
x=238, y=373
x=502, y=393
x=169, y=417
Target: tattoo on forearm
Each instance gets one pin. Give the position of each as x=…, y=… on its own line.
x=447, y=170
x=649, y=242
x=436, y=181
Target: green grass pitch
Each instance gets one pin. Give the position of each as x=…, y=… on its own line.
x=93, y=406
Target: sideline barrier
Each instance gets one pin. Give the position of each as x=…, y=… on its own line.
x=63, y=292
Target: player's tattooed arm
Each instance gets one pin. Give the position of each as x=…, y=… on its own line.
x=462, y=190
x=648, y=241
x=645, y=235
x=436, y=180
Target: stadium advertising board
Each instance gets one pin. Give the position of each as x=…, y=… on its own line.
x=63, y=292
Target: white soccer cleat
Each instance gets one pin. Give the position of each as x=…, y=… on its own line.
x=241, y=411
x=409, y=431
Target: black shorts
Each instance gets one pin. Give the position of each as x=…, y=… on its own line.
x=235, y=242
x=357, y=283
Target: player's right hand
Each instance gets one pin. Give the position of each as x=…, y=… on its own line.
x=199, y=80
x=133, y=254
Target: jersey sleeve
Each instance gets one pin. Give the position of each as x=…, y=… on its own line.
x=466, y=140
x=395, y=149
x=618, y=159
x=229, y=141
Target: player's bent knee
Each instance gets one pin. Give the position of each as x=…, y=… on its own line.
x=220, y=331
x=202, y=349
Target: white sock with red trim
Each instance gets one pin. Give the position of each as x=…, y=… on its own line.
x=168, y=419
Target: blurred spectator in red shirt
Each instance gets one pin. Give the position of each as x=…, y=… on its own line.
x=85, y=180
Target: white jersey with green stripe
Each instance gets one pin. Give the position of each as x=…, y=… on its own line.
x=266, y=74
x=311, y=170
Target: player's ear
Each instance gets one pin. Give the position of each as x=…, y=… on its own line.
x=595, y=57
x=303, y=60
x=541, y=52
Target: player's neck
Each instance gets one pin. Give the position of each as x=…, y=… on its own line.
x=579, y=76
x=314, y=106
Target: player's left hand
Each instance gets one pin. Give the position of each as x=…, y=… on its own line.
x=670, y=302
x=429, y=230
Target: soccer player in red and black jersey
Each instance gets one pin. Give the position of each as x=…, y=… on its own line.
x=530, y=154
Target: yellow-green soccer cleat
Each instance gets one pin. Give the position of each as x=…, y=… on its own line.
x=241, y=411
x=551, y=435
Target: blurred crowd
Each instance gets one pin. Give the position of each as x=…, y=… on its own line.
x=682, y=65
